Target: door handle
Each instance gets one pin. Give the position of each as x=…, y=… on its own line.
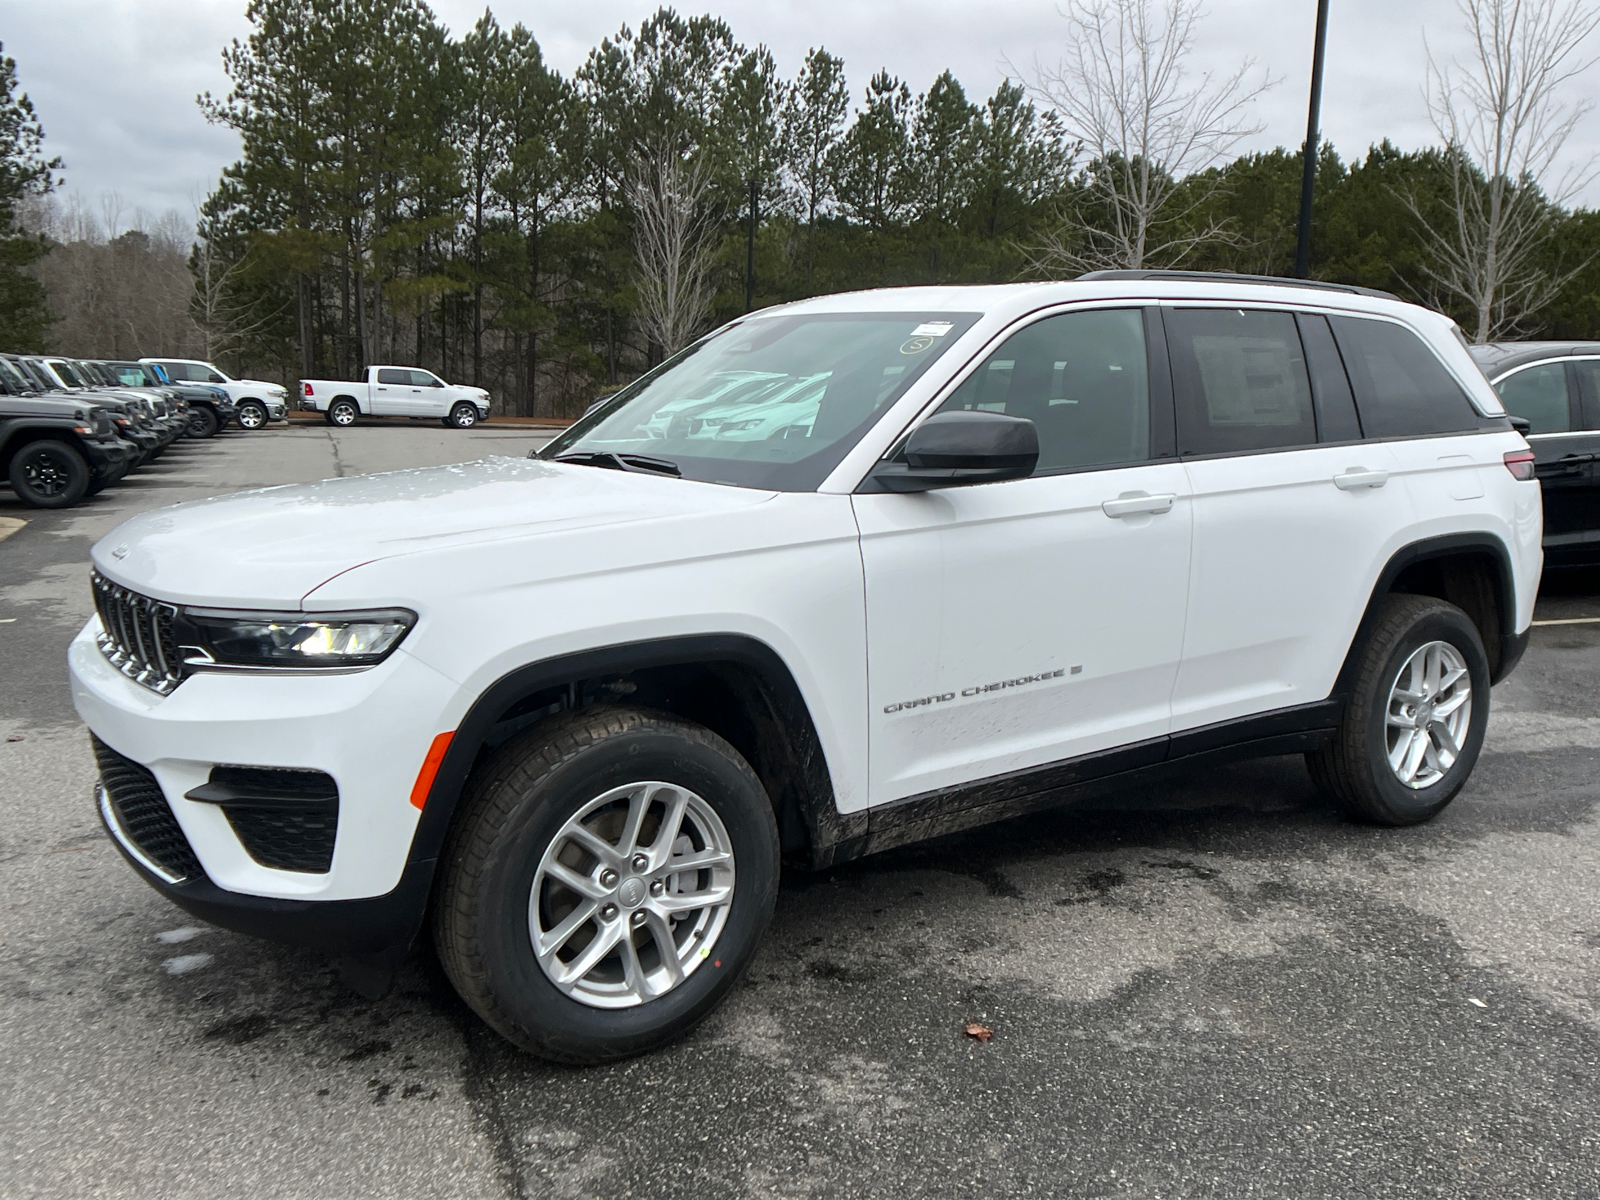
x=1359, y=477
x=1133, y=504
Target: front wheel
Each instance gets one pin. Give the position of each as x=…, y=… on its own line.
x=49, y=475
x=203, y=422
x=1415, y=719
x=463, y=416
x=609, y=878
x=251, y=415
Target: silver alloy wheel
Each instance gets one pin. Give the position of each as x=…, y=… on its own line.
x=252, y=416
x=343, y=414
x=1429, y=713
x=631, y=895
x=465, y=416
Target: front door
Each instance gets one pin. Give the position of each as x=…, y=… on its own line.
x=1017, y=624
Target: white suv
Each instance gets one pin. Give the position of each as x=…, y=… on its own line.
x=256, y=401
x=573, y=712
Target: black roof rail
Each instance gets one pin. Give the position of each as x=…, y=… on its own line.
x=1231, y=277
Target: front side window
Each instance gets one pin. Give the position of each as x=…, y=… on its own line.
x=772, y=402
x=423, y=379
x=1402, y=389
x=1082, y=378
x=1540, y=395
x=1239, y=378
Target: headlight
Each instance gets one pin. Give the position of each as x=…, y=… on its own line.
x=223, y=638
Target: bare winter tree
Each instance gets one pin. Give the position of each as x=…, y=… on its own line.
x=674, y=238
x=1123, y=92
x=1504, y=124
x=221, y=321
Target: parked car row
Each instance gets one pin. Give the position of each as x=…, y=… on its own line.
x=71, y=427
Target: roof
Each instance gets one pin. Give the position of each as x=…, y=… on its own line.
x=1496, y=358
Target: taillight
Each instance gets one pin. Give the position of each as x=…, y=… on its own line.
x=308, y=389
x=1520, y=464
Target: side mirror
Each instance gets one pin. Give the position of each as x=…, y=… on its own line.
x=956, y=449
x=1522, y=425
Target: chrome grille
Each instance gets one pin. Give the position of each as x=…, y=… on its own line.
x=137, y=635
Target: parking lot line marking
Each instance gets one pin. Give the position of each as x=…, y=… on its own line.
x=9, y=525
x=1572, y=621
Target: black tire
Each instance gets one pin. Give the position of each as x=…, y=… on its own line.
x=1354, y=768
x=463, y=416
x=513, y=810
x=48, y=474
x=252, y=414
x=203, y=422
x=343, y=413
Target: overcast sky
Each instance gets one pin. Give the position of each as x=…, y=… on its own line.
x=114, y=81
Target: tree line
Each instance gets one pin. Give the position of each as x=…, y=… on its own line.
x=406, y=196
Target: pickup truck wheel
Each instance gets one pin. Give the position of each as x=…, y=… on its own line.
x=343, y=413
x=48, y=475
x=463, y=416
x=1414, y=722
x=203, y=422
x=608, y=879
x=251, y=415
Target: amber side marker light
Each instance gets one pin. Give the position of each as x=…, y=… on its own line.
x=430, y=768
x=1520, y=464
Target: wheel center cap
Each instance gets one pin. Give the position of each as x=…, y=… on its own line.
x=632, y=892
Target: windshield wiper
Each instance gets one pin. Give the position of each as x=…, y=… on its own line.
x=621, y=462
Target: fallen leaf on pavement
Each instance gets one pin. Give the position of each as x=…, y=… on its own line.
x=980, y=1033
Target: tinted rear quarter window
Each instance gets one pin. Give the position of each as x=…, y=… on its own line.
x=1402, y=389
x=1240, y=380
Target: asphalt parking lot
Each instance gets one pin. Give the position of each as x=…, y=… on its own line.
x=1204, y=986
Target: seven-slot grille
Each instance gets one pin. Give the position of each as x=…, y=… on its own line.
x=137, y=635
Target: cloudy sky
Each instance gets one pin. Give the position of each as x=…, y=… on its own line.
x=115, y=80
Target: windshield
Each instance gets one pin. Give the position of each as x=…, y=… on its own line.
x=13, y=378
x=65, y=371
x=772, y=402
x=130, y=374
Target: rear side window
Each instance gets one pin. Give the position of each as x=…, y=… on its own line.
x=1402, y=389
x=1539, y=394
x=392, y=377
x=1082, y=378
x=1240, y=381
x=178, y=371
x=1588, y=372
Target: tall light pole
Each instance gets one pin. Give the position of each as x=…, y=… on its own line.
x=1302, y=253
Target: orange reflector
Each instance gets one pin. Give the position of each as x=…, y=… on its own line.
x=430, y=768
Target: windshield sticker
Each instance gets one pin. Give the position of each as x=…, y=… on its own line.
x=916, y=345
x=933, y=329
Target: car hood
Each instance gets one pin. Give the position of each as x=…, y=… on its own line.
x=272, y=547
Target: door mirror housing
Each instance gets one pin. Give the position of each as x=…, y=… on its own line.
x=957, y=449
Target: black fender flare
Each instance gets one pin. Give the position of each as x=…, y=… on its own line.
x=1443, y=546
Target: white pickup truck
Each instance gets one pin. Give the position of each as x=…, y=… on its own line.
x=395, y=392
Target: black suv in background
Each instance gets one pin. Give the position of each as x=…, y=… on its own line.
x=56, y=449
x=1555, y=387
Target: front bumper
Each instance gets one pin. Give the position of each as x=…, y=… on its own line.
x=368, y=730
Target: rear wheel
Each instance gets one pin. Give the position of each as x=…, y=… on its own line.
x=252, y=414
x=463, y=416
x=609, y=878
x=49, y=475
x=203, y=422
x=1414, y=722
x=343, y=413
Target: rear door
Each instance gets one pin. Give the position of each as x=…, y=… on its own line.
x=1017, y=624
x=1292, y=509
x=393, y=394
